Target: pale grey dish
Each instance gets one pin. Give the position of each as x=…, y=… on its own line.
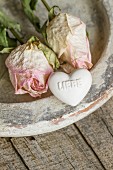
x=21, y=115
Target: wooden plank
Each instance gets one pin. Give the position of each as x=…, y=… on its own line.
x=97, y=129
x=64, y=149
x=74, y=148
x=9, y=159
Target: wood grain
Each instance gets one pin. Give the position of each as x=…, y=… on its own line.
x=9, y=158
x=97, y=130
x=56, y=151
x=86, y=145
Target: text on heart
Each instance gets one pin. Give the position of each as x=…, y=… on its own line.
x=65, y=85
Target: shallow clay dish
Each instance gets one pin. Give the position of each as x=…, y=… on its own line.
x=21, y=115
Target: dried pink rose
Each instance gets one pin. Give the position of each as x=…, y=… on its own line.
x=29, y=68
x=66, y=35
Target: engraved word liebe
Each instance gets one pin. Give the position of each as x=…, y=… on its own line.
x=64, y=85
x=70, y=89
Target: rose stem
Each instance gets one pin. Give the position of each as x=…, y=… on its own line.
x=46, y=5
x=17, y=36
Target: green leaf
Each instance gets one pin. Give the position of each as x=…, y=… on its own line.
x=52, y=12
x=33, y=4
x=33, y=39
x=11, y=26
x=87, y=34
x=3, y=37
x=5, y=40
x=50, y=56
x=29, y=7
x=43, y=31
x=12, y=42
x=6, y=22
x=5, y=50
x=6, y=43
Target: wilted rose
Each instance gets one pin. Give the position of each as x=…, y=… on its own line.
x=30, y=66
x=66, y=35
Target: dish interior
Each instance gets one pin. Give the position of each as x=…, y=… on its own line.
x=88, y=10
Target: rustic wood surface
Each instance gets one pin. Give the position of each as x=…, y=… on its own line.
x=85, y=145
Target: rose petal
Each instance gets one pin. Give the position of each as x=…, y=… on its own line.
x=29, y=70
x=66, y=35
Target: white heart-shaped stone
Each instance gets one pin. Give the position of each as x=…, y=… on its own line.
x=70, y=89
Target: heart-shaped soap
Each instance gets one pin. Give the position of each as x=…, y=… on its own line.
x=70, y=89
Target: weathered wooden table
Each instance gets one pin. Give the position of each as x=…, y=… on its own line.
x=85, y=145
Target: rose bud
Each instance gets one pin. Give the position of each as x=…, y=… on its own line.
x=30, y=66
x=67, y=37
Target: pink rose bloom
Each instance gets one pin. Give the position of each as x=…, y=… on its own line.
x=66, y=35
x=29, y=69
